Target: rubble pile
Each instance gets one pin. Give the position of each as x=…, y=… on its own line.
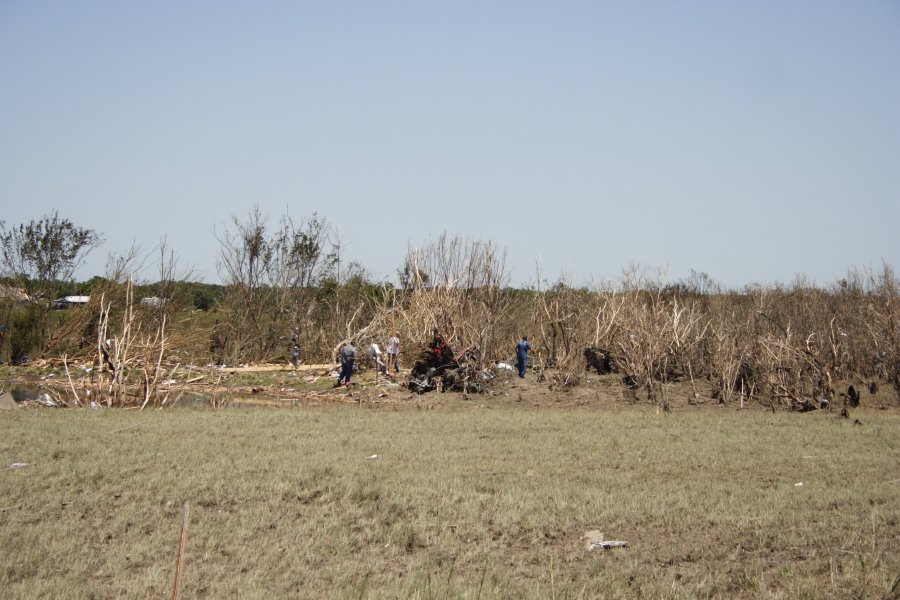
x=438, y=368
x=599, y=359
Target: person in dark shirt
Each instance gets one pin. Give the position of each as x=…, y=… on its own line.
x=348, y=358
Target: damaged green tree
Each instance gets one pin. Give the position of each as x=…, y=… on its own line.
x=42, y=254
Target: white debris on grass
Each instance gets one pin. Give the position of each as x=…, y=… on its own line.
x=593, y=540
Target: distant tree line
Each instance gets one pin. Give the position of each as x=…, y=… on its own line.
x=288, y=282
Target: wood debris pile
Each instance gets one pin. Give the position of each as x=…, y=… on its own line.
x=438, y=368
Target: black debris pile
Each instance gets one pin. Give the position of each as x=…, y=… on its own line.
x=599, y=359
x=434, y=359
x=851, y=398
x=438, y=368
x=466, y=377
x=804, y=406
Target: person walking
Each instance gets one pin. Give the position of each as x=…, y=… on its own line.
x=393, y=352
x=522, y=349
x=348, y=358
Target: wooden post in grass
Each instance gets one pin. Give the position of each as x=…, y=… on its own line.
x=185, y=515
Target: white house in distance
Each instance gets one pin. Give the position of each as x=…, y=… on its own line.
x=70, y=301
x=154, y=301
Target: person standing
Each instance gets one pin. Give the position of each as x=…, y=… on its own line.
x=348, y=358
x=295, y=353
x=522, y=349
x=375, y=358
x=393, y=352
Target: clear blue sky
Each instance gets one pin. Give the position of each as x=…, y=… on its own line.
x=752, y=140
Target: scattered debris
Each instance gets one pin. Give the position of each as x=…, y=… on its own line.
x=798, y=484
x=505, y=366
x=609, y=544
x=593, y=540
x=373, y=457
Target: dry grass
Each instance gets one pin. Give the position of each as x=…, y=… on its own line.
x=481, y=499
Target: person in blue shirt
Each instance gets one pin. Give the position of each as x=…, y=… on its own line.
x=522, y=349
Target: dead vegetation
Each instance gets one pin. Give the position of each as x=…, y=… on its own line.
x=784, y=346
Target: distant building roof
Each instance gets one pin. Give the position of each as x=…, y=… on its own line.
x=67, y=301
x=153, y=301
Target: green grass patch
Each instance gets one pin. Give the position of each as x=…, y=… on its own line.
x=461, y=502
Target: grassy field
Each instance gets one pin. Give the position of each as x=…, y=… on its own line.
x=454, y=500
